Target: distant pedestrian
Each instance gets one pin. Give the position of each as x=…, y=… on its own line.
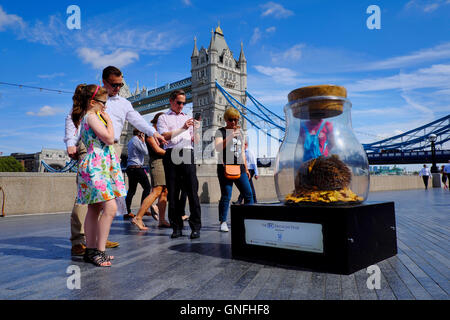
x=425, y=174
x=137, y=150
x=253, y=169
x=447, y=172
x=444, y=177
x=100, y=179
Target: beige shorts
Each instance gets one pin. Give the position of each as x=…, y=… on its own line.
x=157, y=173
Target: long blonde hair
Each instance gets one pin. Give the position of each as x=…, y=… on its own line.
x=83, y=94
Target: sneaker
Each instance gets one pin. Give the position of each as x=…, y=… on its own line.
x=224, y=227
x=78, y=249
x=111, y=244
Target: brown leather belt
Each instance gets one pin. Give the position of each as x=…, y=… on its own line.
x=134, y=167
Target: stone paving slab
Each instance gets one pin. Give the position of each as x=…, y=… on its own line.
x=35, y=255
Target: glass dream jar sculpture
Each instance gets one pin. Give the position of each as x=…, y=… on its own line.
x=320, y=160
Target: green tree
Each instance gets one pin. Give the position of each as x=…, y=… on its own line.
x=10, y=164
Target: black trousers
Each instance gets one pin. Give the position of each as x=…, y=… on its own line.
x=135, y=176
x=425, y=181
x=182, y=177
x=241, y=197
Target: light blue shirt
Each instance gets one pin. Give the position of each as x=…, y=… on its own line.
x=137, y=150
x=251, y=161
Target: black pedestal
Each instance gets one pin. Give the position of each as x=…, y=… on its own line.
x=339, y=240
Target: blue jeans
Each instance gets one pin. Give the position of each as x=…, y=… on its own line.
x=226, y=189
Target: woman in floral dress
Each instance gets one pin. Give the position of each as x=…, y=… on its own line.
x=100, y=178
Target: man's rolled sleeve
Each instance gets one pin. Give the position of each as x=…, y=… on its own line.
x=139, y=122
x=71, y=133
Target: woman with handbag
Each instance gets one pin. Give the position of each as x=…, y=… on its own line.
x=232, y=166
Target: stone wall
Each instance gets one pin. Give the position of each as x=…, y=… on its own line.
x=55, y=192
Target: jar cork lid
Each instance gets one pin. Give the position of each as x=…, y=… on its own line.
x=320, y=108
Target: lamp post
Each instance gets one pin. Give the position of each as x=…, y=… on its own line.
x=432, y=138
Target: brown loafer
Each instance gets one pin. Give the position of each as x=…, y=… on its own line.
x=78, y=249
x=128, y=216
x=111, y=244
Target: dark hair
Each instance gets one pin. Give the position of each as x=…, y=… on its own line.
x=176, y=93
x=83, y=93
x=136, y=132
x=155, y=118
x=111, y=71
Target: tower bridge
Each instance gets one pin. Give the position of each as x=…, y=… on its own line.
x=216, y=63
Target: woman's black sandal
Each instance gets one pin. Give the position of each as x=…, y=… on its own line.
x=96, y=257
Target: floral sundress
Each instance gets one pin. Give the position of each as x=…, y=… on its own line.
x=99, y=174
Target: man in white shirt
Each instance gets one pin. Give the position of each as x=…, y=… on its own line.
x=178, y=128
x=425, y=174
x=120, y=110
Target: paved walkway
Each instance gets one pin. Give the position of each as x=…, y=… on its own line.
x=35, y=255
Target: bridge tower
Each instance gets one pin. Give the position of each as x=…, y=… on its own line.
x=216, y=64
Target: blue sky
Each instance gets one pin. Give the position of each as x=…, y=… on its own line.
x=398, y=77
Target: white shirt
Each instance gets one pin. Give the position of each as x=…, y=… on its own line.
x=120, y=110
x=424, y=172
x=171, y=121
x=251, y=161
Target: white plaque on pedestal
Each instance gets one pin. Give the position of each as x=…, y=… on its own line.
x=284, y=234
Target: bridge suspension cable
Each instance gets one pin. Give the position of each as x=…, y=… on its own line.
x=256, y=103
x=229, y=98
x=31, y=87
x=68, y=167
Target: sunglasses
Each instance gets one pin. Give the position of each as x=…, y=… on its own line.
x=231, y=120
x=116, y=85
x=101, y=101
x=181, y=103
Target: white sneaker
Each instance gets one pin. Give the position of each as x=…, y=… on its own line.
x=223, y=227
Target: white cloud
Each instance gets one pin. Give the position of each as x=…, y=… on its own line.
x=292, y=54
x=10, y=20
x=187, y=2
x=51, y=76
x=281, y=75
x=426, y=5
x=119, y=39
x=256, y=36
x=46, y=111
x=436, y=76
x=439, y=52
x=276, y=10
x=119, y=58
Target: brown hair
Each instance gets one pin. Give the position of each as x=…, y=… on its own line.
x=155, y=118
x=83, y=94
x=111, y=71
x=176, y=93
x=136, y=132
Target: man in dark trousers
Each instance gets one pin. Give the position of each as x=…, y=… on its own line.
x=179, y=167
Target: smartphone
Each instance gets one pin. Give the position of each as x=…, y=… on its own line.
x=101, y=118
x=198, y=116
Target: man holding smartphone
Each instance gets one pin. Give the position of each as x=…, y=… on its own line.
x=179, y=167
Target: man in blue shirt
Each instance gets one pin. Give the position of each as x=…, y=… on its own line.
x=253, y=169
x=137, y=150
